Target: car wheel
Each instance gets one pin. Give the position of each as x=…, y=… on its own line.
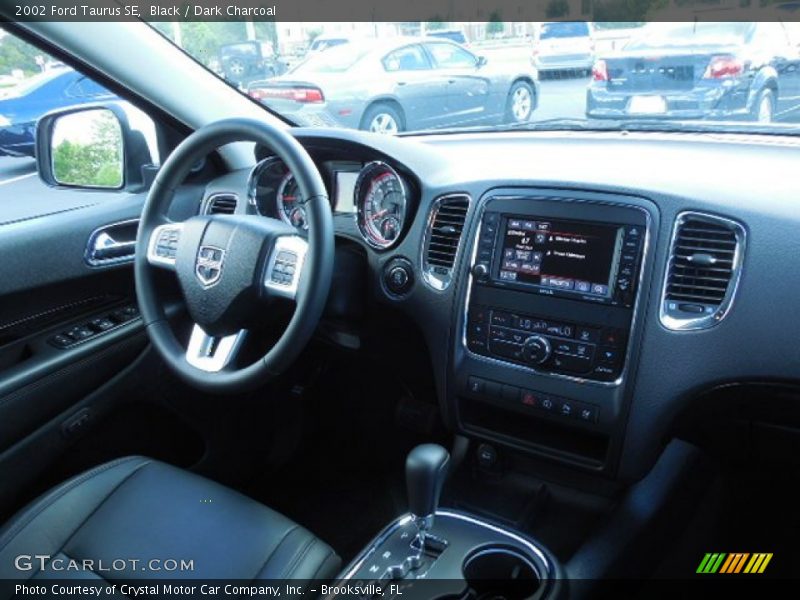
x=519, y=106
x=764, y=107
x=383, y=118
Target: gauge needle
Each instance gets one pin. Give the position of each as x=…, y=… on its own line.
x=379, y=214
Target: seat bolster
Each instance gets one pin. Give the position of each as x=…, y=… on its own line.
x=45, y=526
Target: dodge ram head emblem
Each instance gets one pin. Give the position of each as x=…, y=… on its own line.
x=209, y=265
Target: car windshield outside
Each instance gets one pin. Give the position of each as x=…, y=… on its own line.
x=410, y=77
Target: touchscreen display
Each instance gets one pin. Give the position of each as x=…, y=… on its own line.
x=561, y=254
x=345, y=191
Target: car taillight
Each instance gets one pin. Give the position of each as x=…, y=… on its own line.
x=600, y=71
x=310, y=95
x=722, y=67
x=305, y=95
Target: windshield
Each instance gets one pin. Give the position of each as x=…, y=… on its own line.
x=408, y=77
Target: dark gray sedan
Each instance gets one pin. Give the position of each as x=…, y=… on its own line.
x=388, y=86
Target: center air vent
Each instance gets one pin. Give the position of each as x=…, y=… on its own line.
x=443, y=239
x=221, y=204
x=703, y=271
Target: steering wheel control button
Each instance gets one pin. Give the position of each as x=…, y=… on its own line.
x=163, y=247
x=286, y=265
x=284, y=268
x=398, y=276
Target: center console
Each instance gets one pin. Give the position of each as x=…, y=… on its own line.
x=549, y=311
x=445, y=554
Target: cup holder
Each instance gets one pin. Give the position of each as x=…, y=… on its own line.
x=501, y=573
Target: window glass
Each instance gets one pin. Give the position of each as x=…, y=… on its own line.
x=410, y=58
x=449, y=56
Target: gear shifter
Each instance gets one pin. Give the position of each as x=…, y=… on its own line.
x=426, y=470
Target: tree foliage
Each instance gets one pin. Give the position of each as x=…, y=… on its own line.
x=17, y=54
x=96, y=161
x=495, y=26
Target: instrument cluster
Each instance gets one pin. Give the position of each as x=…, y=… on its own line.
x=374, y=193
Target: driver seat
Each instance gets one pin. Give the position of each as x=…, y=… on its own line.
x=140, y=509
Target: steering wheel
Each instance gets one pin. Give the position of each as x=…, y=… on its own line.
x=230, y=267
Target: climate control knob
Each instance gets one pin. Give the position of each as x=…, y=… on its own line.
x=536, y=349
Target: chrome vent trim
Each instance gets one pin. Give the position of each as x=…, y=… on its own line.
x=223, y=203
x=703, y=271
x=443, y=239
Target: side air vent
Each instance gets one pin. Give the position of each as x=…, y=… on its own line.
x=443, y=239
x=703, y=271
x=221, y=204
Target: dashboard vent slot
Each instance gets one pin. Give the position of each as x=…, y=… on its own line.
x=703, y=271
x=222, y=204
x=443, y=239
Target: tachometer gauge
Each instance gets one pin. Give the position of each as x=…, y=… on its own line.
x=381, y=201
x=290, y=203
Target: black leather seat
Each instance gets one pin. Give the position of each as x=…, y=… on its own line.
x=140, y=509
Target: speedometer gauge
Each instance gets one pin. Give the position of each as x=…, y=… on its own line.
x=381, y=201
x=290, y=203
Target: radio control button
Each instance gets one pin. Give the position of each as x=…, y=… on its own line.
x=477, y=345
x=501, y=318
x=536, y=349
x=608, y=355
x=506, y=350
x=575, y=364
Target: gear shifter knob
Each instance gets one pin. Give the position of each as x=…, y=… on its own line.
x=426, y=470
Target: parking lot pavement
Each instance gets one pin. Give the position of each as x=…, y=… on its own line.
x=562, y=99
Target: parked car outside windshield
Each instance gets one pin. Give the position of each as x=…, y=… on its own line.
x=406, y=77
x=402, y=84
x=709, y=71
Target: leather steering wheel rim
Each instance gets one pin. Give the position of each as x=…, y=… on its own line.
x=316, y=272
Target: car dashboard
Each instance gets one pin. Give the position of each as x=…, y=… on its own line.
x=576, y=291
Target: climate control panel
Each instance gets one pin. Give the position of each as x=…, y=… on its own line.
x=546, y=345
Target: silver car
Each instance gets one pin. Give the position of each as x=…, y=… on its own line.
x=401, y=84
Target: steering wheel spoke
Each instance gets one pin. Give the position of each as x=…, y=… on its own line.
x=285, y=266
x=212, y=354
x=162, y=247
